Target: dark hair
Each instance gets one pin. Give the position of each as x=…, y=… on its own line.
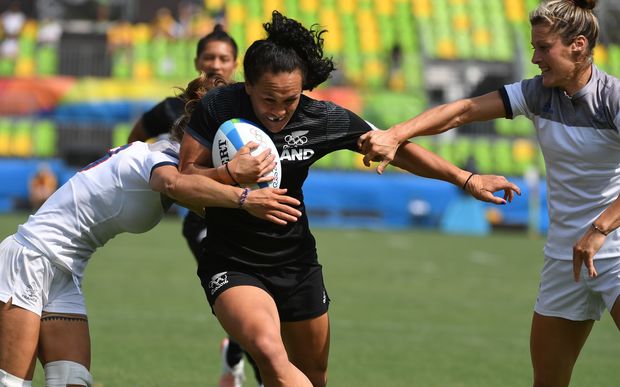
x=191, y=95
x=219, y=35
x=289, y=46
x=569, y=19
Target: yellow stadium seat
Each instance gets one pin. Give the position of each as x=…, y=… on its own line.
x=422, y=9
x=21, y=139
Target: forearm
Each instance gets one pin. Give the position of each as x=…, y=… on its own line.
x=419, y=161
x=219, y=174
x=609, y=220
x=198, y=191
x=434, y=121
x=451, y=115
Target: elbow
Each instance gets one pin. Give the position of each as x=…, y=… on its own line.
x=464, y=113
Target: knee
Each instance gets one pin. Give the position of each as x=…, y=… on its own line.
x=9, y=380
x=63, y=372
x=267, y=351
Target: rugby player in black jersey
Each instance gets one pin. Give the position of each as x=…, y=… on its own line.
x=216, y=56
x=263, y=281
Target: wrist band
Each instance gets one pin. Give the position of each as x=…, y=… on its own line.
x=467, y=181
x=243, y=197
x=594, y=226
x=230, y=174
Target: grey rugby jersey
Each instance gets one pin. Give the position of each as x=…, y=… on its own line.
x=580, y=141
x=315, y=129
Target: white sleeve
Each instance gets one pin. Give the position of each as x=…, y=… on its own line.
x=158, y=159
x=517, y=100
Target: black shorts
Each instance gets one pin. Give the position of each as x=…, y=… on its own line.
x=298, y=291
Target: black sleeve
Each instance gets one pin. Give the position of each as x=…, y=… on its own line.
x=160, y=118
x=344, y=128
x=504, y=94
x=218, y=105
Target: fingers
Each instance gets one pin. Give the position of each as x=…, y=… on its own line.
x=382, y=165
x=576, y=268
x=361, y=141
x=367, y=159
x=591, y=270
x=247, y=148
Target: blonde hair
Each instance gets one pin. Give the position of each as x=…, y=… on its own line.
x=191, y=95
x=569, y=19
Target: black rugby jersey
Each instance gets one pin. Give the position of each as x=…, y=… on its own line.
x=315, y=129
x=160, y=118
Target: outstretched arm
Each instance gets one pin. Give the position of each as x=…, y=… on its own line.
x=197, y=192
x=417, y=160
x=381, y=145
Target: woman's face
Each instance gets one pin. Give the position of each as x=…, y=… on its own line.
x=217, y=58
x=275, y=97
x=558, y=62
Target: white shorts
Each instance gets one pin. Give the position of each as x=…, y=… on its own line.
x=31, y=281
x=561, y=296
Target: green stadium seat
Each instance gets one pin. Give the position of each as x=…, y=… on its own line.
x=291, y=8
x=502, y=154
x=47, y=60
x=482, y=154
x=44, y=139
x=461, y=150
x=444, y=148
x=120, y=133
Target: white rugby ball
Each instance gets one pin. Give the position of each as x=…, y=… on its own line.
x=235, y=133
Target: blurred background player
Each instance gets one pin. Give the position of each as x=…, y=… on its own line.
x=575, y=108
x=41, y=186
x=216, y=56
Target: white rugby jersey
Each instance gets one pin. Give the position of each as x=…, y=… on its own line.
x=107, y=197
x=580, y=141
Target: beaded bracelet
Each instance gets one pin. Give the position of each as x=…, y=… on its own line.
x=467, y=181
x=230, y=174
x=243, y=197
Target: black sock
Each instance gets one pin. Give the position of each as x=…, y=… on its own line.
x=234, y=354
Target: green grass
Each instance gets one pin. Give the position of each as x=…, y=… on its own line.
x=409, y=308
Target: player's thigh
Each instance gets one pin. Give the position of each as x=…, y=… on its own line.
x=248, y=313
x=25, y=277
x=19, y=332
x=555, y=344
x=64, y=336
x=64, y=325
x=615, y=312
x=307, y=343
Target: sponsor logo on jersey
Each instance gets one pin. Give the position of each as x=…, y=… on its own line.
x=291, y=152
x=217, y=281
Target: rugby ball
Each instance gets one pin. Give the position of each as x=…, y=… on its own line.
x=235, y=133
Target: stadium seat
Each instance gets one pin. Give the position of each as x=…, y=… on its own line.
x=120, y=133
x=482, y=155
x=5, y=137
x=47, y=60
x=291, y=7
x=503, y=157
x=44, y=138
x=21, y=138
x=271, y=5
